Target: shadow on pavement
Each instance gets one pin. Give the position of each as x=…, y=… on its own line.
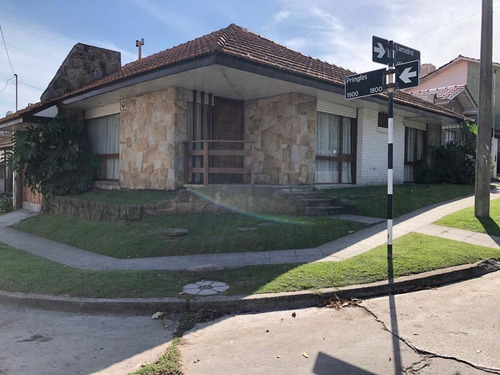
x=327, y=365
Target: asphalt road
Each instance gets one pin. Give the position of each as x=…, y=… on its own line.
x=57, y=343
x=454, y=329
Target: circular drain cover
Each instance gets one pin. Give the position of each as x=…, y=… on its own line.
x=205, y=288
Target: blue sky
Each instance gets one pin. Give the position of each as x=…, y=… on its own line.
x=39, y=34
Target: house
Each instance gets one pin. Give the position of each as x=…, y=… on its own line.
x=455, y=86
x=233, y=107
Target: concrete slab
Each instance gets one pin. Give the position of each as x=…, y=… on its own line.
x=315, y=341
x=359, y=219
x=457, y=321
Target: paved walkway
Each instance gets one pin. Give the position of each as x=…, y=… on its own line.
x=343, y=248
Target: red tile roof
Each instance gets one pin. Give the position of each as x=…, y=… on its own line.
x=242, y=44
x=447, y=92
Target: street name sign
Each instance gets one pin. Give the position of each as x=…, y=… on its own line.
x=364, y=84
x=407, y=75
x=402, y=54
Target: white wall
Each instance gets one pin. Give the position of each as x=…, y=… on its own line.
x=372, y=149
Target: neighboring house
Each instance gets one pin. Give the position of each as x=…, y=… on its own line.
x=233, y=107
x=455, y=86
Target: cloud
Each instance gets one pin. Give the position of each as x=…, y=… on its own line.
x=340, y=32
x=36, y=53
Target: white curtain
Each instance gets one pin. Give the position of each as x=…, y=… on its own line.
x=104, y=134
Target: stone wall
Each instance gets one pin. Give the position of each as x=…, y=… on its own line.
x=209, y=199
x=83, y=65
x=152, y=131
x=284, y=129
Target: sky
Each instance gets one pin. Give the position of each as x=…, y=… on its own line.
x=39, y=34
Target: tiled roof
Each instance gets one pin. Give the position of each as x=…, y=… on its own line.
x=407, y=99
x=447, y=92
x=242, y=44
x=233, y=41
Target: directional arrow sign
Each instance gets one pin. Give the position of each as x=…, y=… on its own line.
x=407, y=75
x=364, y=84
x=402, y=54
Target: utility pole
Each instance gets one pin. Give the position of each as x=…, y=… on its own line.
x=485, y=117
x=17, y=85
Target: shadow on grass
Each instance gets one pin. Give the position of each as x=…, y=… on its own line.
x=489, y=225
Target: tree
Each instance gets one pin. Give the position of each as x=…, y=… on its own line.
x=55, y=158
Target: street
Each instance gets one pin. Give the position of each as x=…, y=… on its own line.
x=58, y=343
x=454, y=329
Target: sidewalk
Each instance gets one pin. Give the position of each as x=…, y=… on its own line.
x=343, y=248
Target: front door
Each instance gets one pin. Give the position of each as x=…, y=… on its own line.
x=228, y=126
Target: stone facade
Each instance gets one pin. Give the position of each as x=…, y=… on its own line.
x=83, y=65
x=284, y=130
x=152, y=131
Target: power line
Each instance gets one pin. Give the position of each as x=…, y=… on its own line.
x=6, y=50
x=27, y=84
x=422, y=33
x=6, y=84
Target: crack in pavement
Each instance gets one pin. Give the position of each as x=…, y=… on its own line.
x=423, y=353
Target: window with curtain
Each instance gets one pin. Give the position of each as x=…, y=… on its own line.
x=335, y=146
x=415, y=144
x=104, y=135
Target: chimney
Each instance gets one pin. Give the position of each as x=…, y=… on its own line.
x=426, y=69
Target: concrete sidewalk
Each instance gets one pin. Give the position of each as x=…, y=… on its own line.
x=343, y=248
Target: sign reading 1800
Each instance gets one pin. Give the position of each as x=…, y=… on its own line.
x=364, y=84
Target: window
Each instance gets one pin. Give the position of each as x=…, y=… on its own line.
x=335, y=149
x=415, y=144
x=383, y=120
x=104, y=135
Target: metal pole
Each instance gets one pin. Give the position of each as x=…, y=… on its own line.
x=485, y=118
x=390, y=152
x=15, y=75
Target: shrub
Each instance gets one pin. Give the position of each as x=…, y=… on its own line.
x=6, y=203
x=55, y=157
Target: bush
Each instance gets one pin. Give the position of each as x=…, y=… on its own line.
x=455, y=163
x=6, y=203
x=55, y=157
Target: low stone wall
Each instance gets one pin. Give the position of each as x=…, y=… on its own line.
x=209, y=199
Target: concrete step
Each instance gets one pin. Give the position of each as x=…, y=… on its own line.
x=323, y=211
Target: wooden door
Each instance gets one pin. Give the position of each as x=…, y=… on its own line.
x=228, y=126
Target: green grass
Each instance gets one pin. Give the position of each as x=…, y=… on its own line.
x=414, y=253
x=127, y=197
x=465, y=219
x=372, y=200
x=215, y=233
x=168, y=364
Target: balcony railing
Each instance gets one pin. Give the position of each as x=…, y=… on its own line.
x=206, y=158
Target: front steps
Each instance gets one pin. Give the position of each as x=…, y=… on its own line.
x=312, y=202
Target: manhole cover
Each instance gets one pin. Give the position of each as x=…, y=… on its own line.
x=205, y=288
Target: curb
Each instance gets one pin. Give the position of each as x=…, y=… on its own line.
x=260, y=302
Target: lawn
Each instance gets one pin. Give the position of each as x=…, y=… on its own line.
x=216, y=233
x=127, y=197
x=372, y=200
x=465, y=219
x=414, y=253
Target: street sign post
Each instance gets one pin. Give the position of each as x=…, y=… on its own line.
x=407, y=75
x=403, y=65
x=365, y=84
x=402, y=54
